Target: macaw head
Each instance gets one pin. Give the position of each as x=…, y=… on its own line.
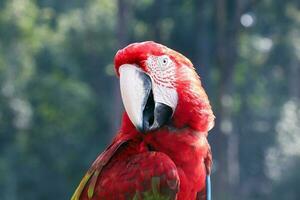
x=159, y=87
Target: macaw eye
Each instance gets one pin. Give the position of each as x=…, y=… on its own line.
x=164, y=61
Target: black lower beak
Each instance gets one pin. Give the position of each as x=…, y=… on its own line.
x=155, y=114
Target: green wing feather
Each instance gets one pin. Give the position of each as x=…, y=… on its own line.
x=93, y=184
x=89, y=176
x=81, y=186
x=92, y=175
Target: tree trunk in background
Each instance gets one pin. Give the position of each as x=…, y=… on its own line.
x=122, y=40
x=203, y=41
x=225, y=140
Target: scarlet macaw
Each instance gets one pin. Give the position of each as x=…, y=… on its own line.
x=161, y=149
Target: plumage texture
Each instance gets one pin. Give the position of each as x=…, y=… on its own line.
x=172, y=161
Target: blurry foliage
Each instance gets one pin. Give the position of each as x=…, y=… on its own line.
x=52, y=99
x=56, y=74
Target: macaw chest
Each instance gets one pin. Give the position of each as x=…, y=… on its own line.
x=187, y=149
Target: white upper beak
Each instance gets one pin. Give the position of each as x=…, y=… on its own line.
x=134, y=90
x=148, y=105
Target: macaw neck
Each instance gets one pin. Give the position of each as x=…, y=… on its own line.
x=166, y=134
x=193, y=108
x=193, y=111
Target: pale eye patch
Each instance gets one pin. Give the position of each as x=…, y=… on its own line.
x=162, y=70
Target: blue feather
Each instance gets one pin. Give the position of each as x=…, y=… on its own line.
x=208, y=188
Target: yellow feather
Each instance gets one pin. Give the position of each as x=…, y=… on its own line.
x=81, y=186
x=92, y=184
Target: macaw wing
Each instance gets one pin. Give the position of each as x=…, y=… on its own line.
x=145, y=175
x=92, y=174
x=122, y=171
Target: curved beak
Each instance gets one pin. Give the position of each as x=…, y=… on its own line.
x=139, y=100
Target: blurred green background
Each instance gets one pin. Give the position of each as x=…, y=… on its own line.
x=60, y=104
